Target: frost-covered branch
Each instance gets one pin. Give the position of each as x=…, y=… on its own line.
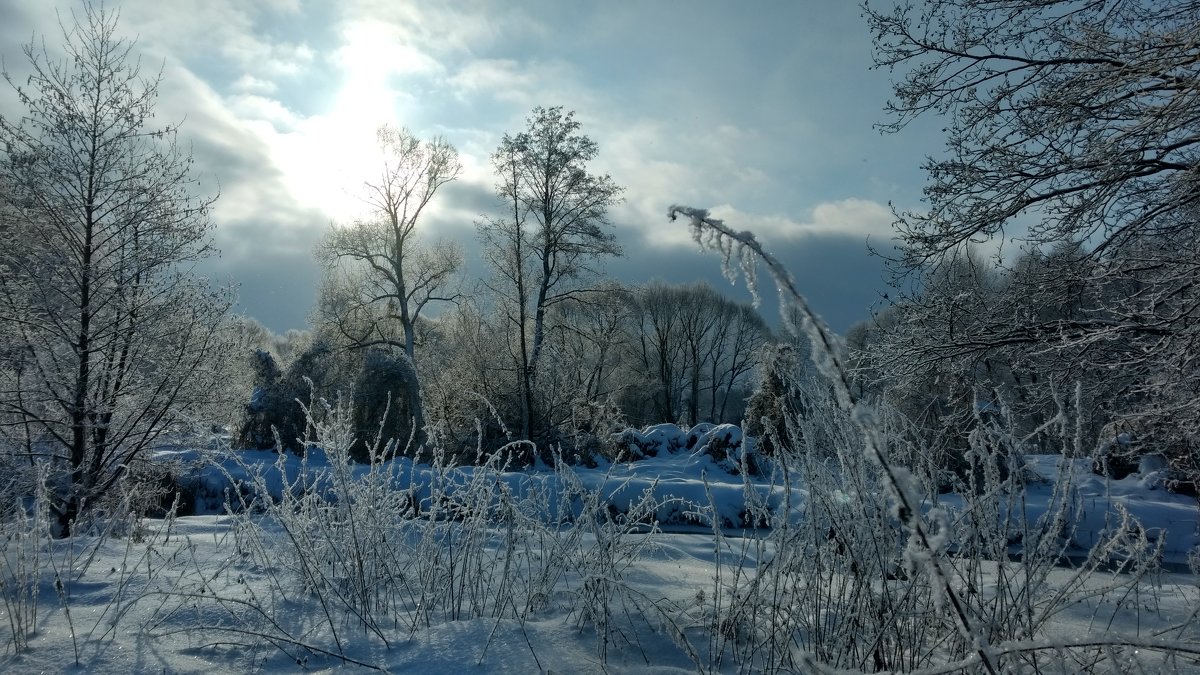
x=901, y=484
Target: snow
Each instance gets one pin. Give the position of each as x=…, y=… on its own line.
x=1171, y=517
x=186, y=594
x=687, y=470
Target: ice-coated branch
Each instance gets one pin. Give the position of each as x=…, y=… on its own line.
x=714, y=234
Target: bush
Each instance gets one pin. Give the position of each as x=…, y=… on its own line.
x=1128, y=441
x=382, y=405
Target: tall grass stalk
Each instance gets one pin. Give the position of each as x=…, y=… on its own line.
x=868, y=579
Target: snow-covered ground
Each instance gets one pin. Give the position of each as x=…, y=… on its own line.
x=629, y=582
x=147, y=608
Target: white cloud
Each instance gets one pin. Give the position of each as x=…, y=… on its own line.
x=284, y=6
x=252, y=108
x=491, y=76
x=198, y=30
x=249, y=84
x=451, y=29
x=373, y=48
x=315, y=161
x=853, y=217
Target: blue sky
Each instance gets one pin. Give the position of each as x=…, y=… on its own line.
x=762, y=112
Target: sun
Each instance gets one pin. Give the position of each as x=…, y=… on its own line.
x=334, y=152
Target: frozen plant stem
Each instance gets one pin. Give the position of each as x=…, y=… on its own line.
x=715, y=234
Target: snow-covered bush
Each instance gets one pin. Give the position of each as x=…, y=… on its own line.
x=382, y=405
x=272, y=418
x=724, y=444
x=265, y=409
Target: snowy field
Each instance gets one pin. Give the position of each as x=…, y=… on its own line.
x=638, y=567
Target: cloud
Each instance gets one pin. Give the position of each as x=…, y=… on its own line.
x=853, y=218
x=503, y=79
x=661, y=162
x=281, y=99
x=371, y=48
x=201, y=31
x=249, y=84
x=450, y=29
x=700, y=149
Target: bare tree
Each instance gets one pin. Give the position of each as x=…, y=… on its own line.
x=696, y=348
x=114, y=337
x=661, y=352
x=1068, y=124
x=588, y=342
x=470, y=379
x=552, y=233
x=1080, y=113
x=393, y=277
x=731, y=358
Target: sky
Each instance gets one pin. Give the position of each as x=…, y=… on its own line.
x=762, y=112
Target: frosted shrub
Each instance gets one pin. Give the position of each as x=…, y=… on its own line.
x=24, y=536
x=36, y=566
x=848, y=587
x=391, y=547
x=836, y=589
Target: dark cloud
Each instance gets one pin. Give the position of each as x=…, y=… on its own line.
x=840, y=278
x=271, y=261
x=277, y=288
x=472, y=198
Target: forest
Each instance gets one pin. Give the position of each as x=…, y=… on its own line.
x=542, y=468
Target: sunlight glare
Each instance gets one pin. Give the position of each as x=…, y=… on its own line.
x=337, y=151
